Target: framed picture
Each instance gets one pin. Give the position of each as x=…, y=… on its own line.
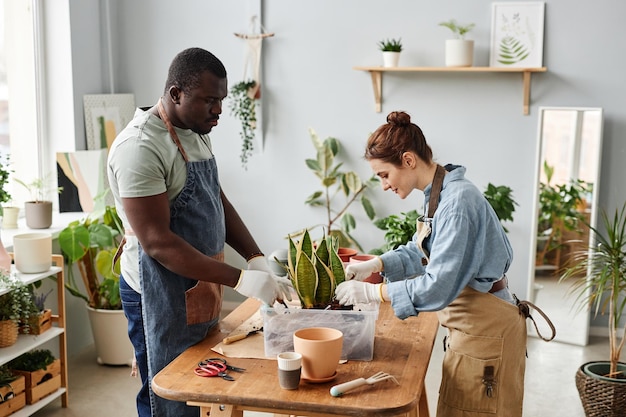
x=82, y=174
x=517, y=34
x=105, y=116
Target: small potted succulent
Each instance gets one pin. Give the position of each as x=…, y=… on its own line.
x=459, y=51
x=391, y=49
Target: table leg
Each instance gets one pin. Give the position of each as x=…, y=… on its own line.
x=220, y=410
x=423, y=403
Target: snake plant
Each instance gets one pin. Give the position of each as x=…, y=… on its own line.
x=315, y=271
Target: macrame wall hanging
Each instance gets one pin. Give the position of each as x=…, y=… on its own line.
x=246, y=95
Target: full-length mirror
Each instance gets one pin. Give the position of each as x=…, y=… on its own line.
x=567, y=173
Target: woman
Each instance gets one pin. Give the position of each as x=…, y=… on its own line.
x=455, y=265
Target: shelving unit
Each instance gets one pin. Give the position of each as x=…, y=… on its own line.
x=27, y=342
x=377, y=78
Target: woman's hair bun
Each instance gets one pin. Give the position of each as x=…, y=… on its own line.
x=398, y=118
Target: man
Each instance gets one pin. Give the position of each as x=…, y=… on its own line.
x=164, y=178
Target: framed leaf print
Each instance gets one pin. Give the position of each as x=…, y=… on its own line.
x=517, y=34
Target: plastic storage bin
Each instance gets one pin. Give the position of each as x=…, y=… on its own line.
x=358, y=327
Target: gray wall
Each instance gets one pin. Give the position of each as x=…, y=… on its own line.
x=471, y=119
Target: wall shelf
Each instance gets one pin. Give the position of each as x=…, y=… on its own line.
x=377, y=78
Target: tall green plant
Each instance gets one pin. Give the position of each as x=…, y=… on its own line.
x=599, y=275
x=500, y=197
x=91, y=243
x=335, y=183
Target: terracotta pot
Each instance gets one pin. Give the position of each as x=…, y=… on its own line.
x=346, y=253
x=375, y=278
x=321, y=350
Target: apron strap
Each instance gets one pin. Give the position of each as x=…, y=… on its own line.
x=170, y=129
x=433, y=203
x=524, y=308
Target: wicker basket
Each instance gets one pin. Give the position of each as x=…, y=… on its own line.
x=8, y=333
x=601, y=397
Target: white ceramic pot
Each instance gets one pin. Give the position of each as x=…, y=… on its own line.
x=110, y=334
x=459, y=53
x=391, y=59
x=32, y=252
x=38, y=214
x=9, y=217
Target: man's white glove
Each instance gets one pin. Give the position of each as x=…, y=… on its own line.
x=259, y=263
x=259, y=285
x=361, y=270
x=355, y=292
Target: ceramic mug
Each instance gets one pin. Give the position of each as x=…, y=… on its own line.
x=289, y=369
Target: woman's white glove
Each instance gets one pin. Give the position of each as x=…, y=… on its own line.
x=356, y=292
x=259, y=285
x=361, y=270
x=259, y=263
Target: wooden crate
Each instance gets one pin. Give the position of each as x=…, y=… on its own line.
x=41, y=382
x=39, y=324
x=18, y=401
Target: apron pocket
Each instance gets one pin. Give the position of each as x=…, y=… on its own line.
x=471, y=368
x=203, y=302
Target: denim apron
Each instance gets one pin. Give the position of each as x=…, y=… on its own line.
x=177, y=311
x=485, y=349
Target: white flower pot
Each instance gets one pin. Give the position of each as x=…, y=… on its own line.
x=110, y=334
x=9, y=217
x=390, y=59
x=32, y=252
x=459, y=53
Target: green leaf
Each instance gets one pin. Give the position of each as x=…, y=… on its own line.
x=368, y=207
x=306, y=280
x=74, y=242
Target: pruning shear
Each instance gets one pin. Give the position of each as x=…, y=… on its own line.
x=216, y=367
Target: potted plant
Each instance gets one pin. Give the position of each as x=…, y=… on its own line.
x=599, y=281
x=91, y=244
x=42, y=373
x=500, y=197
x=315, y=270
x=243, y=96
x=459, y=51
x=9, y=213
x=335, y=183
x=391, y=49
x=16, y=305
x=11, y=391
x=41, y=317
x=560, y=209
x=399, y=229
x=38, y=211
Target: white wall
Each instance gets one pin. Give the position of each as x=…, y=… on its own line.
x=472, y=119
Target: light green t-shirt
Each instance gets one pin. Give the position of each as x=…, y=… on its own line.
x=144, y=161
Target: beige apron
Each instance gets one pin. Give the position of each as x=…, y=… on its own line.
x=485, y=359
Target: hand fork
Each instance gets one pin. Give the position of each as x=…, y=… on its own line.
x=340, y=389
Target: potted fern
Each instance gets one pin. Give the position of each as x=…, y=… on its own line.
x=459, y=51
x=391, y=49
x=599, y=281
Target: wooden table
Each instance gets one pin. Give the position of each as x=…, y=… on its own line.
x=401, y=348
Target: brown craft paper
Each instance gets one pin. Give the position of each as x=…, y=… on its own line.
x=250, y=347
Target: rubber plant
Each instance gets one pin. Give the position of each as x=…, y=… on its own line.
x=336, y=183
x=243, y=106
x=314, y=270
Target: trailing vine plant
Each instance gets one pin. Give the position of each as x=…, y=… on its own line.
x=243, y=106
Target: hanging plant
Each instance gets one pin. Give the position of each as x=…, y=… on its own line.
x=243, y=106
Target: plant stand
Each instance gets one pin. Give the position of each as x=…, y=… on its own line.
x=600, y=396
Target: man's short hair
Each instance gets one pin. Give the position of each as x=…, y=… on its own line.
x=188, y=65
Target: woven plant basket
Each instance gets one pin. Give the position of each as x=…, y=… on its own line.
x=8, y=333
x=601, y=397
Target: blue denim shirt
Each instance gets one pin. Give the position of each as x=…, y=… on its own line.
x=468, y=246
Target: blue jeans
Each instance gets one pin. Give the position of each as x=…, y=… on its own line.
x=131, y=303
